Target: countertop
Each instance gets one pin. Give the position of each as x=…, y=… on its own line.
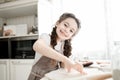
x=93, y=72
x=31, y=35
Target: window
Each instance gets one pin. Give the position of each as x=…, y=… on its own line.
x=92, y=38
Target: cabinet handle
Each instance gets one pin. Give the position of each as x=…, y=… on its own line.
x=20, y=62
x=15, y=62
x=3, y=62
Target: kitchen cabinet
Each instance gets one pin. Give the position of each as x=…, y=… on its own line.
x=18, y=8
x=11, y=67
x=19, y=12
x=15, y=69
x=20, y=69
x=4, y=69
x=13, y=13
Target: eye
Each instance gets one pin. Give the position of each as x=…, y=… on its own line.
x=71, y=31
x=65, y=25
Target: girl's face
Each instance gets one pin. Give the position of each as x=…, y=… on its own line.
x=66, y=29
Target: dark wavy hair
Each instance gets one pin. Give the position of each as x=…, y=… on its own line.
x=67, y=46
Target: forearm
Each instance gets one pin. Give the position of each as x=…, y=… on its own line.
x=40, y=47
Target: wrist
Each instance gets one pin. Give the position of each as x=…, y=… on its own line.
x=66, y=60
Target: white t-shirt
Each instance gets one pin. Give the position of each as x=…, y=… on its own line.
x=46, y=38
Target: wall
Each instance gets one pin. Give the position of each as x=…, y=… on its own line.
x=1, y=22
x=29, y=20
x=92, y=38
x=113, y=18
x=99, y=21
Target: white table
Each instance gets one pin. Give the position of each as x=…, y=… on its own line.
x=93, y=72
x=61, y=74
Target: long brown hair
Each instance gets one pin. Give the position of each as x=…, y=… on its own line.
x=67, y=45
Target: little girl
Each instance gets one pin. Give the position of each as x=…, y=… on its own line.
x=53, y=50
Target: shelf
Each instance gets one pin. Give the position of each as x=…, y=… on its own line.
x=31, y=36
x=18, y=8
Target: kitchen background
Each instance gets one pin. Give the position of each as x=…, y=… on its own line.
x=99, y=20
x=97, y=39
x=16, y=53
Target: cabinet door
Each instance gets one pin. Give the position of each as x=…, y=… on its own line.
x=20, y=69
x=4, y=69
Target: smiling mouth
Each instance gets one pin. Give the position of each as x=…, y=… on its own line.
x=63, y=33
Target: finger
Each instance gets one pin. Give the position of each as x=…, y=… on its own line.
x=79, y=68
x=69, y=69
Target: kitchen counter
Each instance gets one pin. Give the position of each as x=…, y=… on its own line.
x=31, y=35
x=25, y=37
x=94, y=72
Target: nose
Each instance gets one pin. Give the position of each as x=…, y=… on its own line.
x=67, y=31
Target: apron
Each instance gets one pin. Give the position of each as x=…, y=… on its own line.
x=42, y=66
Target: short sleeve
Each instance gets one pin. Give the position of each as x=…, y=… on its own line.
x=45, y=37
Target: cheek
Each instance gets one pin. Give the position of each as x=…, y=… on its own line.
x=57, y=30
x=72, y=34
x=69, y=37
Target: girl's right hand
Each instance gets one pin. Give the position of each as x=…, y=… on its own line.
x=79, y=67
x=69, y=64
